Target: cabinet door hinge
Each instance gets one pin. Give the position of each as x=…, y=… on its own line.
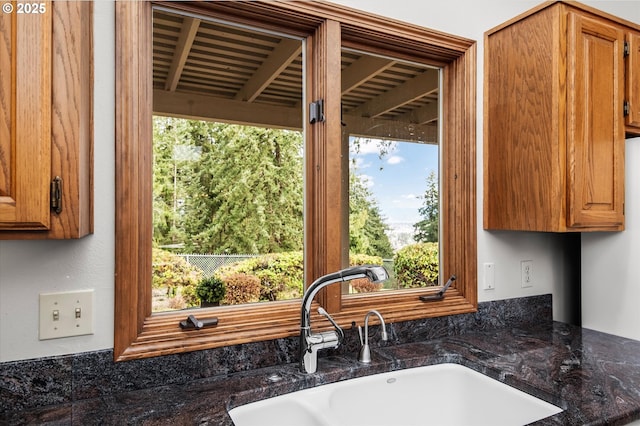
x=56, y=194
x=626, y=49
x=626, y=108
x=316, y=111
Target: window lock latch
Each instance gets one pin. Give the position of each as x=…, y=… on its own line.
x=440, y=294
x=193, y=322
x=316, y=111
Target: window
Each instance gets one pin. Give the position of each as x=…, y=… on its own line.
x=228, y=173
x=390, y=120
x=327, y=29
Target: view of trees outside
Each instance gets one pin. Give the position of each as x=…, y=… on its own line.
x=367, y=229
x=426, y=230
x=229, y=189
x=401, y=180
x=222, y=188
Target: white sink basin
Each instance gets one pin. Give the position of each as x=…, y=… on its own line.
x=444, y=395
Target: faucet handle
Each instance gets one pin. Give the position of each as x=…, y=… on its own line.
x=322, y=311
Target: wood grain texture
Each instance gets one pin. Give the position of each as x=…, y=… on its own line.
x=25, y=203
x=7, y=103
x=554, y=135
x=633, y=83
x=595, y=155
x=66, y=123
x=72, y=117
x=521, y=152
x=327, y=182
x=133, y=172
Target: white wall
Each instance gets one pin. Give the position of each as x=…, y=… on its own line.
x=28, y=268
x=610, y=284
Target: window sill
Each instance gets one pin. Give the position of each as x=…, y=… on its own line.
x=162, y=335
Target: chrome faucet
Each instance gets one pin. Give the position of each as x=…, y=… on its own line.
x=365, y=353
x=310, y=343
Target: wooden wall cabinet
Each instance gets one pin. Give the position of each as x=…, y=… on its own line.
x=556, y=83
x=633, y=83
x=46, y=121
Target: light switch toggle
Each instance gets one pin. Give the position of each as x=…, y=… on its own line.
x=66, y=314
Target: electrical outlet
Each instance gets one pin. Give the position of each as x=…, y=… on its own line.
x=66, y=314
x=526, y=273
x=489, y=278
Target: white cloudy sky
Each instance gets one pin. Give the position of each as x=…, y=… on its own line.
x=398, y=178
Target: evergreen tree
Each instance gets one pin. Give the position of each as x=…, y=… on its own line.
x=169, y=135
x=367, y=230
x=222, y=188
x=245, y=191
x=427, y=229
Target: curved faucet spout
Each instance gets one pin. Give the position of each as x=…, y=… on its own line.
x=374, y=272
x=365, y=352
x=311, y=343
x=383, y=334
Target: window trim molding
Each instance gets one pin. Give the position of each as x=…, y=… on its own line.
x=137, y=333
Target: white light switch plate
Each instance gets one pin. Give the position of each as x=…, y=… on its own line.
x=489, y=278
x=66, y=314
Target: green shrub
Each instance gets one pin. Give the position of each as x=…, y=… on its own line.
x=189, y=296
x=241, y=288
x=356, y=259
x=172, y=271
x=416, y=265
x=177, y=302
x=280, y=274
x=364, y=285
x=211, y=289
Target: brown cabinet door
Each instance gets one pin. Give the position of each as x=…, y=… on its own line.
x=25, y=120
x=633, y=83
x=595, y=123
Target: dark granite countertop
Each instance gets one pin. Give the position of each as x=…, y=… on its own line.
x=594, y=377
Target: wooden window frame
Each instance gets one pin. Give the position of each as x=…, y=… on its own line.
x=138, y=333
